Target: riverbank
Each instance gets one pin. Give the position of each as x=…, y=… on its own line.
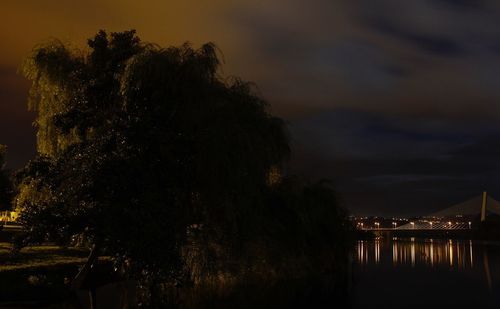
x=41, y=276
x=37, y=275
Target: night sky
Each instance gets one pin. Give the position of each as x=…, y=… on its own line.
x=398, y=102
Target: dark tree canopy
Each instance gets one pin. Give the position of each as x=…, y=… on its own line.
x=137, y=144
x=155, y=159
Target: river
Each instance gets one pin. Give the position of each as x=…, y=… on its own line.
x=428, y=273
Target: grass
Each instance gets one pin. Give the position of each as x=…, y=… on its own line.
x=35, y=257
x=39, y=274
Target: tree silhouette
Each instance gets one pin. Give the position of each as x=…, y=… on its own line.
x=155, y=159
x=140, y=145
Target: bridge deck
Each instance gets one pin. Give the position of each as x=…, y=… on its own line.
x=412, y=229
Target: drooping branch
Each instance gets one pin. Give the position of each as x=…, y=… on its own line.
x=84, y=272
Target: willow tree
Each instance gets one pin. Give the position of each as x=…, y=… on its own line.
x=139, y=146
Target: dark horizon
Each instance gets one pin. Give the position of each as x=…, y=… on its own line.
x=400, y=111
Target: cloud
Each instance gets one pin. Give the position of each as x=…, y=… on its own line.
x=432, y=58
x=380, y=162
x=390, y=91
x=438, y=45
x=391, y=180
x=308, y=55
x=16, y=130
x=463, y=4
x=355, y=134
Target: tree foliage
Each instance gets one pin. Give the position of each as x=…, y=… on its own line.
x=306, y=217
x=137, y=143
x=152, y=155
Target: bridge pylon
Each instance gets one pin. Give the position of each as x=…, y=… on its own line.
x=483, y=206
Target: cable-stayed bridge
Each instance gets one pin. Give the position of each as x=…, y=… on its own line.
x=435, y=225
x=462, y=216
x=456, y=217
x=482, y=204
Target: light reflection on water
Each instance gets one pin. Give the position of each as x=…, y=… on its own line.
x=430, y=252
x=443, y=273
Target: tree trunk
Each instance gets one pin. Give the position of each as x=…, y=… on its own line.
x=79, y=280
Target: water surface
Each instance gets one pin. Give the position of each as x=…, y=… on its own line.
x=428, y=273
